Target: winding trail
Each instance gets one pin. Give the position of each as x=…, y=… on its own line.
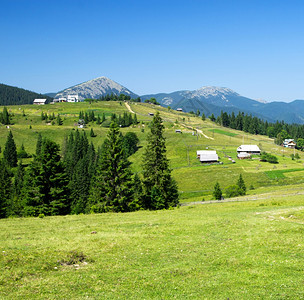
x=199, y=131
x=129, y=108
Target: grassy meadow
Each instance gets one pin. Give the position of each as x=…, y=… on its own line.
x=195, y=180
x=251, y=248
x=238, y=250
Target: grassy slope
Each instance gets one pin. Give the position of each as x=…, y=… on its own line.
x=195, y=180
x=248, y=250
x=239, y=250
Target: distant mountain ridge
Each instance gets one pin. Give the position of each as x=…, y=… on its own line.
x=11, y=95
x=96, y=88
x=210, y=99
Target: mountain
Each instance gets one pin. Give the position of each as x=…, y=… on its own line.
x=10, y=95
x=52, y=95
x=210, y=99
x=95, y=88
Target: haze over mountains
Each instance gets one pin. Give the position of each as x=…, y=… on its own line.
x=207, y=100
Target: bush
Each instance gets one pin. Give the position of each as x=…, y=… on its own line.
x=269, y=158
x=233, y=191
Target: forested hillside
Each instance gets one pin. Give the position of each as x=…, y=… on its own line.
x=10, y=95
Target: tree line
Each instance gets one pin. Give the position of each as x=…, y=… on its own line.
x=114, y=97
x=254, y=125
x=82, y=179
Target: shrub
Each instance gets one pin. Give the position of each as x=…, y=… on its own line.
x=233, y=191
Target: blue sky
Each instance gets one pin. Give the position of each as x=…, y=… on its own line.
x=253, y=47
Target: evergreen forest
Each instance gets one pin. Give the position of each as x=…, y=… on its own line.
x=84, y=179
x=10, y=95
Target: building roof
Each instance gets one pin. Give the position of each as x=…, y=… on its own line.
x=207, y=155
x=39, y=100
x=248, y=148
x=288, y=141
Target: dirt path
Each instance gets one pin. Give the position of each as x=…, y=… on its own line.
x=199, y=131
x=129, y=108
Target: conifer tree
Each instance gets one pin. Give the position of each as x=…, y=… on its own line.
x=5, y=117
x=45, y=186
x=160, y=189
x=59, y=120
x=38, y=144
x=10, y=151
x=112, y=189
x=103, y=118
x=217, y=193
x=5, y=188
x=14, y=207
x=92, y=134
x=241, y=185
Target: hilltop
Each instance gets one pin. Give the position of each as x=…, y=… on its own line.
x=96, y=88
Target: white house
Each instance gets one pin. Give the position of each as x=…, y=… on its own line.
x=207, y=155
x=39, y=101
x=289, y=143
x=73, y=98
x=250, y=149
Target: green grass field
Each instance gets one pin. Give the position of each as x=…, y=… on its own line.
x=251, y=248
x=238, y=250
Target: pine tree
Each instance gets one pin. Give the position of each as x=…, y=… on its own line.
x=135, y=120
x=5, y=117
x=59, y=120
x=217, y=193
x=10, y=151
x=38, y=144
x=5, y=188
x=45, y=185
x=14, y=207
x=112, y=189
x=241, y=185
x=92, y=134
x=160, y=189
x=103, y=118
x=203, y=117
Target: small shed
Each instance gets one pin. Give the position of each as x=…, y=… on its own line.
x=179, y=109
x=178, y=131
x=151, y=114
x=207, y=156
x=250, y=149
x=39, y=101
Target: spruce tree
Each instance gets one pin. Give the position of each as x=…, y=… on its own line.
x=45, y=186
x=160, y=189
x=10, y=151
x=112, y=188
x=241, y=185
x=5, y=188
x=38, y=144
x=5, y=116
x=217, y=193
